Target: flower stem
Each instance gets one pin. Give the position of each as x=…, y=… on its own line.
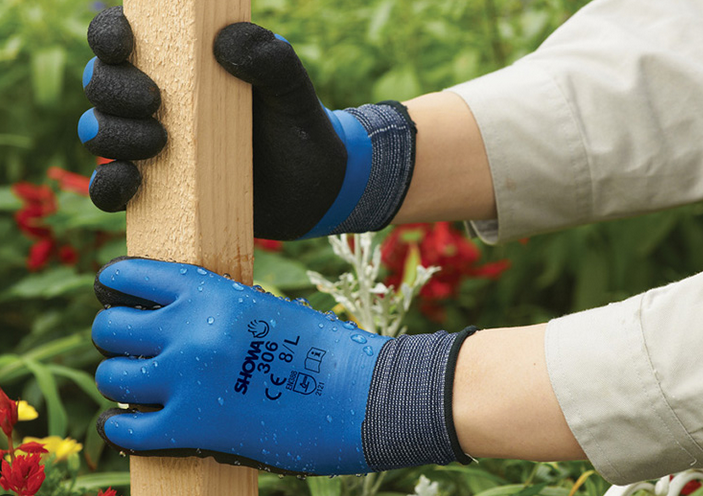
x=11, y=447
x=361, y=249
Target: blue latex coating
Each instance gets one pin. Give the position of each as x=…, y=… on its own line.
x=88, y=126
x=88, y=72
x=92, y=178
x=359, y=161
x=238, y=371
x=279, y=37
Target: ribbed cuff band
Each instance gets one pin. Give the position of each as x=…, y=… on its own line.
x=392, y=134
x=409, y=418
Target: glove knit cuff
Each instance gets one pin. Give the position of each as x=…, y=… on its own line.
x=409, y=418
x=392, y=133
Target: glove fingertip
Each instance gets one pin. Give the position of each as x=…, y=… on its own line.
x=104, y=419
x=257, y=56
x=114, y=184
x=110, y=36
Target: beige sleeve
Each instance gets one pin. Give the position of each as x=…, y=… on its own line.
x=629, y=379
x=603, y=121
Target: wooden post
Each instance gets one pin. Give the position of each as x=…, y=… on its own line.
x=195, y=204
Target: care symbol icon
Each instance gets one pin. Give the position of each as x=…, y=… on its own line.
x=313, y=361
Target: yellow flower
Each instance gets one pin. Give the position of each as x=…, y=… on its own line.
x=57, y=446
x=25, y=411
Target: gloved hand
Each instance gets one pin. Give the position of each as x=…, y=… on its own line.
x=316, y=172
x=253, y=379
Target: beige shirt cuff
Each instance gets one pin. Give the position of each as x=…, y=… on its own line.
x=521, y=114
x=628, y=378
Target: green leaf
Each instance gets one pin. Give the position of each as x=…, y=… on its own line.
x=93, y=444
x=50, y=284
x=16, y=140
x=7, y=360
x=276, y=270
x=111, y=250
x=412, y=261
x=400, y=83
x=11, y=48
x=655, y=233
x=8, y=201
x=48, y=66
x=558, y=491
x=320, y=486
x=521, y=490
x=82, y=379
x=592, y=282
x=93, y=482
x=379, y=19
x=78, y=212
x=507, y=490
x=58, y=420
x=477, y=479
x=12, y=366
x=532, y=490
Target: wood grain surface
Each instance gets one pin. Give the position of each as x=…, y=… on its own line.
x=195, y=203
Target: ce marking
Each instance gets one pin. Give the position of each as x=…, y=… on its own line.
x=277, y=381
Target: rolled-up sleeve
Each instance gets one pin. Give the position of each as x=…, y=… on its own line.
x=603, y=121
x=629, y=380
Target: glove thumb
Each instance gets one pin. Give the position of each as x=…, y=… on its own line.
x=257, y=56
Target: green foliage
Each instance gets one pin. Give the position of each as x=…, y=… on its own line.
x=42, y=55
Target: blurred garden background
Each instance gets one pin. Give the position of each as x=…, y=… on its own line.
x=53, y=240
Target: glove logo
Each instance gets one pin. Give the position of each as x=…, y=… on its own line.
x=259, y=328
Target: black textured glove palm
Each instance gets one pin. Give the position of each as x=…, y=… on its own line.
x=316, y=172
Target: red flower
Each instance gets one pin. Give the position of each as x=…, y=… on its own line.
x=70, y=181
x=691, y=487
x=39, y=201
x=491, y=270
x=8, y=413
x=33, y=448
x=68, y=255
x=109, y=492
x=24, y=476
x=268, y=244
x=33, y=194
x=441, y=245
x=29, y=220
x=40, y=253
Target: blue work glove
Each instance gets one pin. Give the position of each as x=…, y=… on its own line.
x=316, y=172
x=253, y=379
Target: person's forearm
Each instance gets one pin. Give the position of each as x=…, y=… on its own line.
x=504, y=405
x=451, y=180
